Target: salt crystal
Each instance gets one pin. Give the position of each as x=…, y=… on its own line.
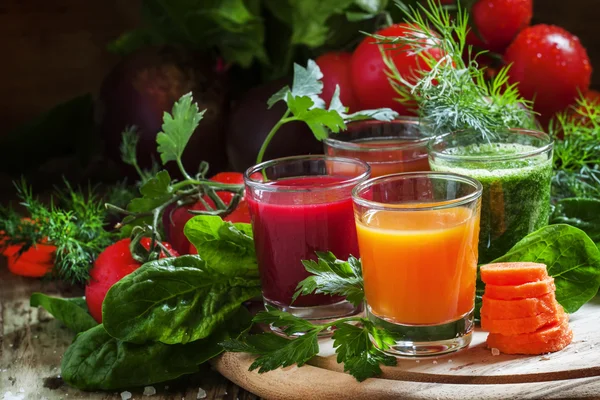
x=418, y=361
x=449, y=361
x=125, y=395
x=21, y=390
x=149, y=391
x=576, y=351
x=202, y=393
x=495, y=352
x=434, y=361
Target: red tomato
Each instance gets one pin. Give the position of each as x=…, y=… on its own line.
x=174, y=225
x=336, y=71
x=36, y=262
x=371, y=85
x=114, y=263
x=498, y=22
x=550, y=64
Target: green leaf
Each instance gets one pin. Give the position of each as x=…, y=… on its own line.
x=380, y=114
x=372, y=6
x=289, y=323
x=155, y=192
x=572, y=259
x=223, y=244
x=317, y=119
x=176, y=300
x=177, y=128
x=72, y=312
x=297, y=351
x=97, y=361
x=282, y=94
x=580, y=213
x=334, y=277
x=255, y=344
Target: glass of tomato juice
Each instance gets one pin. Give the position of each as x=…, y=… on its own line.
x=388, y=147
x=300, y=205
x=417, y=235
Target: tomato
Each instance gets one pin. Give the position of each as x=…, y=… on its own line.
x=178, y=218
x=371, y=85
x=550, y=64
x=114, y=263
x=497, y=22
x=336, y=71
x=36, y=262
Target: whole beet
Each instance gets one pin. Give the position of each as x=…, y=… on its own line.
x=147, y=83
x=250, y=122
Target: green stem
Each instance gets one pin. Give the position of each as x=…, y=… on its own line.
x=183, y=171
x=230, y=187
x=263, y=148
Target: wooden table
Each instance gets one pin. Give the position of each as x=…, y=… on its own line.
x=32, y=344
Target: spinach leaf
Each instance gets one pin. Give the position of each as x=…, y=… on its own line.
x=223, y=244
x=176, y=300
x=95, y=360
x=581, y=213
x=571, y=257
x=72, y=312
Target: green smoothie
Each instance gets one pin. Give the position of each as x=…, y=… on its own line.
x=516, y=190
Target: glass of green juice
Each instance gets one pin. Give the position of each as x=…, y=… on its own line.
x=515, y=168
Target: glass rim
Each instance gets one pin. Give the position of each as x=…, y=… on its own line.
x=409, y=142
x=481, y=159
x=439, y=205
x=248, y=181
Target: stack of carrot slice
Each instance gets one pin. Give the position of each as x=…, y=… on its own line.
x=520, y=311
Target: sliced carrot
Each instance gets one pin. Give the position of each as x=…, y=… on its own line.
x=513, y=273
x=517, y=326
x=517, y=292
x=511, y=309
x=547, y=340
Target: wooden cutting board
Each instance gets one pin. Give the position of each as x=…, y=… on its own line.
x=473, y=373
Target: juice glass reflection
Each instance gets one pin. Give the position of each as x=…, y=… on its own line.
x=417, y=235
x=300, y=205
x=388, y=147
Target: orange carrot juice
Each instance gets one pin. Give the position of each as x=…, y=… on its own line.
x=419, y=266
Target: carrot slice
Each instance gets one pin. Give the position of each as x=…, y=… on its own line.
x=517, y=326
x=511, y=309
x=513, y=273
x=517, y=292
x=547, y=340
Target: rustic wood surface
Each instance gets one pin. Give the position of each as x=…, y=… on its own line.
x=32, y=344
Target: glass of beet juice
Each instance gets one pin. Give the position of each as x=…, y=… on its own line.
x=388, y=147
x=300, y=205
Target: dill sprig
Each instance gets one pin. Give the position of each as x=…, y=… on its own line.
x=451, y=93
x=76, y=228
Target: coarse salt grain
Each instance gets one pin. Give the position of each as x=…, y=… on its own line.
x=418, y=361
x=495, y=352
x=434, y=361
x=202, y=393
x=149, y=391
x=125, y=395
x=449, y=361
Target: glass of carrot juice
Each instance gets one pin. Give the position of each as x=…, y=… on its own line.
x=417, y=237
x=300, y=205
x=388, y=147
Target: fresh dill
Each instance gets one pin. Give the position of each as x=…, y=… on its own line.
x=452, y=93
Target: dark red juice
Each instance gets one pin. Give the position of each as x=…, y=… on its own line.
x=290, y=227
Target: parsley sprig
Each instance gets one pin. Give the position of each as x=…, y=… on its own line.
x=305, y=104
x=351, y=340
x=451, y=93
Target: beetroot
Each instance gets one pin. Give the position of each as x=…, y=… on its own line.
x=251, y=121
x=146, y=84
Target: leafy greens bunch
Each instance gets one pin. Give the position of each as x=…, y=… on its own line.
x=451, y=94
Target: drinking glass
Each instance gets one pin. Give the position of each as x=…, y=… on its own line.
x=417, y=235
x=515, y=168
x=300, y=205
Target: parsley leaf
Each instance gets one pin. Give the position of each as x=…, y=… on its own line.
x=177, y=128
x=289, y=323
x=334, y=277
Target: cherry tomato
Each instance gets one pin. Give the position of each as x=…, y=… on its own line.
x=550, y=65
x=336, y=71
x=114, y=263
x=36, y=262
x=497, y=22
x=371, y=85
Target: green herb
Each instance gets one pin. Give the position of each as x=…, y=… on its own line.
x=304, y=104
x=583, y=183
x=128, y=150
x=332, y=276
x=581, y=213
x=572, y=259
x=176, y=300
x=352, y=343
x=97, y=361
x=72, y=312
x=451, y=93
x=76, y=229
